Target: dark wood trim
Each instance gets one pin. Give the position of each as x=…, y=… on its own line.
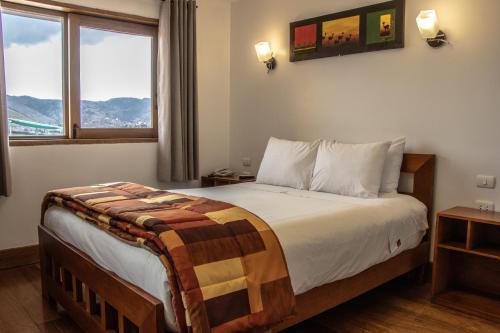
x=20, y=256
x=61, y=261
x=74, y=280
x=467, y=262
x=208, y=181
x=48, y=13
x=422, y=166
x=71, y=77
x=77, y=21
x=18, y=7
x=115, y=133
x=66, y=79
x=78, y=9
x=51, y=142
x=73, y=63
x=109, y=24
x=65, y=258
x=471, y=214
x=330, y=295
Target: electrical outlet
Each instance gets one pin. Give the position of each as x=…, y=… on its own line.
x=246, y=161
x=485, y=205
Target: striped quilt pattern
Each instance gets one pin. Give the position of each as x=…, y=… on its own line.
x=225, y=265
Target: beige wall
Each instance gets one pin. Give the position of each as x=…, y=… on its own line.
x=148, y=8
x=38, y=169
x=445, y=101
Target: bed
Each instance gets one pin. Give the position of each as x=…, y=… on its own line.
x=368, y=243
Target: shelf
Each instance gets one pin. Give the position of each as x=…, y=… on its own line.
x=453, y=231
x=485, y=306
x=467, y=262
x=489, y=252
x=459, y=246
x=485, y=239
x=472, y=214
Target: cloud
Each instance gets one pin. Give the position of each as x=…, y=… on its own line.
x=34, y=70
x=120, y=66
x=27, y=31
x=93, y=36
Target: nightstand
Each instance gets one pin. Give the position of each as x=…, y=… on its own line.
x=466, y=272
x=220, y=181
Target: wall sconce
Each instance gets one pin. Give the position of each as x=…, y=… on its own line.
x=428, y=24
x=265, y=55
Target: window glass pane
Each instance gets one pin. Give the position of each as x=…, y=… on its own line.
x=33, y=71
x=115, y=79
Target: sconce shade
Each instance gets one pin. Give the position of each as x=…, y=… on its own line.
x=264, y=52
x=428, y=24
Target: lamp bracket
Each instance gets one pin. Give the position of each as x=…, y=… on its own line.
x=270, y=64
x=437, y=41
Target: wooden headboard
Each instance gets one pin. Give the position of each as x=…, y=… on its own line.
x=422, y=167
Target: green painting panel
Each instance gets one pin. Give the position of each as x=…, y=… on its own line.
x=381, y=26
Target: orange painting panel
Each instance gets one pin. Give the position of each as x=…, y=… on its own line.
x=339, y=32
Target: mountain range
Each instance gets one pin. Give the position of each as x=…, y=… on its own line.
x=113, y=113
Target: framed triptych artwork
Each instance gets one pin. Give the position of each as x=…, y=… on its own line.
x=372, y=28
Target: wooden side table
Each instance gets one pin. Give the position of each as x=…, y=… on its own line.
x=466, y=269
x=220, y=181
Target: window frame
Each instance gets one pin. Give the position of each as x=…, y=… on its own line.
x=73, y=133
x=77, y=21
x=42, y=13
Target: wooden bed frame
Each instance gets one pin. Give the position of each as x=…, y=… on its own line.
x=100, y=301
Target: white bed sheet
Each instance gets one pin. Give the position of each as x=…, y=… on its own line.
x=325, y=237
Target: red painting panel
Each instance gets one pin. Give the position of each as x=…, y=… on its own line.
x=306, y=37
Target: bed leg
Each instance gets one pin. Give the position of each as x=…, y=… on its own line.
x=46, y=274
x=419, y=275
x=51, y=301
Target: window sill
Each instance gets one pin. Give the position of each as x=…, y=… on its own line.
x=50, y=142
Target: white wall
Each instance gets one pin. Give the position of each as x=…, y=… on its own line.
x=446, y=101
x=36, y=170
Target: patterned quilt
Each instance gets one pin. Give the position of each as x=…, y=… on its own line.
x=225, y=265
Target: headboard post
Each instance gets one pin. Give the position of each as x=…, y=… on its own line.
x=422, y=166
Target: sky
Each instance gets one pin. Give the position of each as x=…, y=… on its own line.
x=112, y=64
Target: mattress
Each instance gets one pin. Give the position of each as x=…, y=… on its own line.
x=325, y=237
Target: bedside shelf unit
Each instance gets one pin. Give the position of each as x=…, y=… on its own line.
x=466, y=272
x=221, y=181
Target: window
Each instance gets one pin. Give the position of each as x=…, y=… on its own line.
x=78, y=77
x=112, y=70
x=33, y=45
x=119, y=86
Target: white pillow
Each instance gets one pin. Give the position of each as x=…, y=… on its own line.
x=288, y=163
x=392, y=166
x=349, y=169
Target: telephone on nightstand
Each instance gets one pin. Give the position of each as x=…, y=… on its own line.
x=224, y=172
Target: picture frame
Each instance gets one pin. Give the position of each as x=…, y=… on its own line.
x=365, y=29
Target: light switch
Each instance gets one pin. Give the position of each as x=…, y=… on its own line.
x=484, y=181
